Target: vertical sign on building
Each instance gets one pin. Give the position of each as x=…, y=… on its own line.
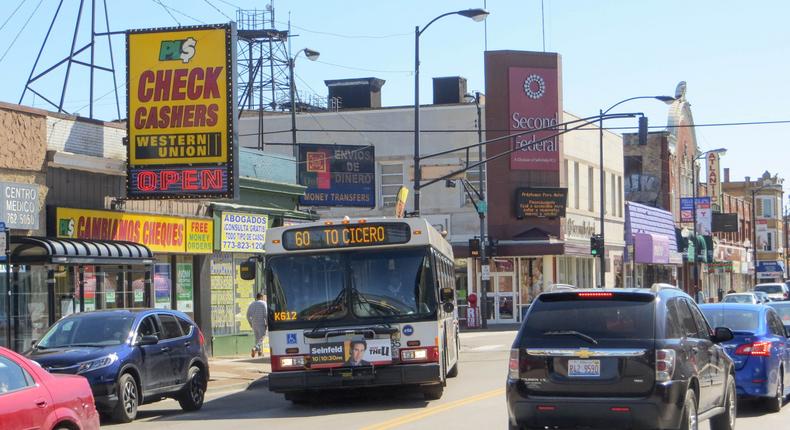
x=714, y=179
x=534, y=105
x=181, y=113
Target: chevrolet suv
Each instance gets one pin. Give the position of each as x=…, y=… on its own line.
x=624, y=358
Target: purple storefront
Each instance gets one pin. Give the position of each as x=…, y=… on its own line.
x=651, y=246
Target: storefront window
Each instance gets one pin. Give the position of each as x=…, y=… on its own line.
x=245, y=294
x=31, y=320
x=222, y=313
x=112, y=281
x=138, y=289
x=162, y=283
x=184, y=286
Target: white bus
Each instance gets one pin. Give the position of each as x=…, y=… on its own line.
x=360, y=303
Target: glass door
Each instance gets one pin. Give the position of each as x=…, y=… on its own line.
x=501, y=299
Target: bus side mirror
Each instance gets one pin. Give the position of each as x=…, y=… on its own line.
x=247, y=270
x=447, y=295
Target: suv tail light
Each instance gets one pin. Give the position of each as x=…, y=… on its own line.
x=514, y=366
x=201, y=338
x=665, y=364
x=756, y=349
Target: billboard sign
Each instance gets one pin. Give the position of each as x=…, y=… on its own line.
x=541, y=202
x=243, y=232
x=704, y=213
x=337, y=175
x=534, y=104
x=725, y=223
x=181, y=113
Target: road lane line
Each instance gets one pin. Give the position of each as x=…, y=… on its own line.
x=405, y=419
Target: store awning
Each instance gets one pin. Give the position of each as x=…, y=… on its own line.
x=44, y=250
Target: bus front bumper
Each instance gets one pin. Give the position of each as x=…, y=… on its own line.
x=379, y=376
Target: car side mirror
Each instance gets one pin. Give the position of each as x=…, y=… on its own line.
x=446, y=295
x=148, y=340
x=721, y=334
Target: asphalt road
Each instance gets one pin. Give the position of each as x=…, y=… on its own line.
x=473, y=400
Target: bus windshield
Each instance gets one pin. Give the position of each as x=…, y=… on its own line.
x=352, y=285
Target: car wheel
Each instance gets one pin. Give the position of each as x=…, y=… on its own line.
x=689, y=416
x=432, y=392
x=774, y=404
x=128, y=399
x=726, y=421
x=194, y=392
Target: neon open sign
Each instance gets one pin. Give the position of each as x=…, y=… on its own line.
x=194, y=181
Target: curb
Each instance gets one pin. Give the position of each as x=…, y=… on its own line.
x=241, y=386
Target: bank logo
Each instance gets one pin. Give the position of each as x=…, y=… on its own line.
x=171, y=50
x=534, y=87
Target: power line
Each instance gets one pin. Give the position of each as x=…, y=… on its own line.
x=181, y=13
x=217, y=9
x=21, y=30
x=348, y=36
x=230, y=4
x=12, y=14
x=365, y=70
x=159, y=2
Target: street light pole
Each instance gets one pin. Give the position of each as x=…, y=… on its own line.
x=694, y=178
x=482, y=213
x=754, y=234
x=476, y=15
x=602, y=179
x=312, y=56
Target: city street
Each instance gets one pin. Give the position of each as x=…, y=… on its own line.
x=473, y=400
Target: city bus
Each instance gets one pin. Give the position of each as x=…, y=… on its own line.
x=360, y=303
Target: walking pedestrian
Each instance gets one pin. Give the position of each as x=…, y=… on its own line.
x=257, y=314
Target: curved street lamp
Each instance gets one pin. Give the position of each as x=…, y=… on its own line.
x=312, y=56
x=695, y=177
x=476, y=15
x=602, y=180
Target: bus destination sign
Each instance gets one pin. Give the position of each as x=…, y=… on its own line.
x=346, y=236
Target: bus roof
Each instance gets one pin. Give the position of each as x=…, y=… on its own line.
x=421, y=233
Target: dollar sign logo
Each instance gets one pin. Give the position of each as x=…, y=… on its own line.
x=188, y=49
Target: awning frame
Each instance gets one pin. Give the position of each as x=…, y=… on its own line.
x=46, y=250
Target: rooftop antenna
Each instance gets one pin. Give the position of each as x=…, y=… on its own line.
x=72, y=59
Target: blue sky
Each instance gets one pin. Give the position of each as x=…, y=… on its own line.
x=733, y=55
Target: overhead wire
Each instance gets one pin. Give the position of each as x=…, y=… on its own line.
x=405, y=72
x=12, y=14
x=159, y=2
x=181, y=13
x=19, y=33
x=218, y=9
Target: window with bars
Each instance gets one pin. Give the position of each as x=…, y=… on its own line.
x=473, y=176
x=391, y=181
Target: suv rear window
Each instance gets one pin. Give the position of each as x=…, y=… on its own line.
x=769, y=289
x=599, y=319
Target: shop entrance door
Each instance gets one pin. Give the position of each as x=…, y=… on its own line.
x=502, y=299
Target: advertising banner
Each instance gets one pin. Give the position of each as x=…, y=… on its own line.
x=351, y=353
x=534, y=104
x=337, y=175
x=725, y=223
x=330, y=354
x=243, y=232
x=400, y=202
x=158, y=233
x=181, y=110
x=162, y=284
x=704, y=213
x=19, y=206
x=184, y=288
x=541, y=202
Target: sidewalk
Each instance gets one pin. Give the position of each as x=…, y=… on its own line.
x=238, y=373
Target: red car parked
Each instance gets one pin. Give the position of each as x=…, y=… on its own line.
x=32, y=398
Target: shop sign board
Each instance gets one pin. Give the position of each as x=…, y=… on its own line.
x=184, y=298
x=534, y=105
x=243, y=232
x=725, y=223
x=19, y=207
x=714, y=176
x=159, y=233
x=182, y=112
x=541, y=202
x=337, y=175
x=704, y=213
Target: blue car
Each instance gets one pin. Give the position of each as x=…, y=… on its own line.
x=130, y=357
x=760, y=350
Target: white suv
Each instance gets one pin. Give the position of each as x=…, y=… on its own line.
x=776, y=291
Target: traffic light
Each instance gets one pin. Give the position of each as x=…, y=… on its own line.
x=474, y=247
x=643, y=130
x=596, y=245
x=492, y=244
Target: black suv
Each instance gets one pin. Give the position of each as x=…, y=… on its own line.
x=624, y=358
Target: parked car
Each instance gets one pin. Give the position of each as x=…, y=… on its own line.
x=619, y=358
x=745, y=298
x=130, y=357
x=783, y=309
x=32, y=398
x=760, y=350
x=777, y=291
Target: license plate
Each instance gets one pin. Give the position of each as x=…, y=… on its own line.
x=584, y=368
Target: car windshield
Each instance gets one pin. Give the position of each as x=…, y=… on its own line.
x=738, y=298
x=734, y=319
x=769, y=289
x=88, y=330
x=597, y=319
x=380, y=283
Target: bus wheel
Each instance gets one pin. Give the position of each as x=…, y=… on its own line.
x=432, y=392
x=298, y=397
